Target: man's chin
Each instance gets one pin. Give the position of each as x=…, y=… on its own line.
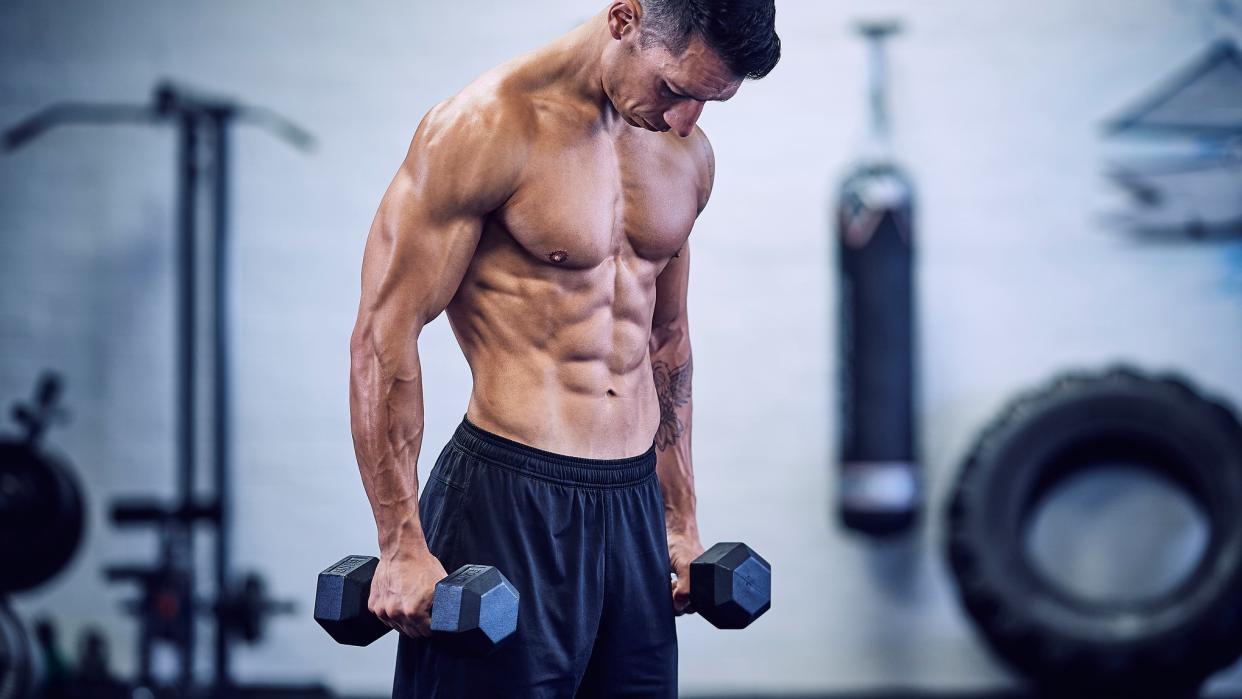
x=643, y=124
x=639, y=122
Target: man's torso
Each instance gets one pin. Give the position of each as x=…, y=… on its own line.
x=554, y=312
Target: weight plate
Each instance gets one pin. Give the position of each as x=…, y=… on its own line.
x=41, y=513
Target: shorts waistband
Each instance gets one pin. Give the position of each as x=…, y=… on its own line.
x=561, y=468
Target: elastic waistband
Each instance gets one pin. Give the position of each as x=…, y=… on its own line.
x=570, y=470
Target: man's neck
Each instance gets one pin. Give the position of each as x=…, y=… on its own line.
x=574, y=62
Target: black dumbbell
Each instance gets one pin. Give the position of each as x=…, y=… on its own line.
x=730, y=585
x=473, y=610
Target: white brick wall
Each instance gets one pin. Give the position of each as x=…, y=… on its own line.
x=997, y=108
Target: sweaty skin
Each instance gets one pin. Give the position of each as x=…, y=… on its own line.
x=547, y=209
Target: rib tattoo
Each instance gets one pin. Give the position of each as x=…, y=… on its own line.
x=673, y=389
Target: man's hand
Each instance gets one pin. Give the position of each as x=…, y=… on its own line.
x=682, y=548
x=402, y=590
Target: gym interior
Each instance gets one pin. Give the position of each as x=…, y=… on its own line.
x=967, y=320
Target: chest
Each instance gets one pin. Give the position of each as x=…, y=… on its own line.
x=580, y=204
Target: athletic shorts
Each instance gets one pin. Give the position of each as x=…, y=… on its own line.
x=582, y=541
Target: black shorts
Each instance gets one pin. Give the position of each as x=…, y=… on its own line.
x=583, y=542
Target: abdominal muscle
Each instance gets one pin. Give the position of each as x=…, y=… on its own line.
x=560, y=356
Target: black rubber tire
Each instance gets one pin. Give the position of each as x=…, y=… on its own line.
x=1164, y=646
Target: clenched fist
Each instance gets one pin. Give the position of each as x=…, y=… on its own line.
x=682, y=549
x=402, y=590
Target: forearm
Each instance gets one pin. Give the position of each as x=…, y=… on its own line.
x=386, y=417
x=672, y=368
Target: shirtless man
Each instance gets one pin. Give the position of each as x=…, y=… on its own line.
x=547, y=208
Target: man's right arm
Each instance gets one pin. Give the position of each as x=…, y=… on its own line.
x=462, y=165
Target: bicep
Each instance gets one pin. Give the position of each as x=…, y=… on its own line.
x=428, y=225
x=414, y=260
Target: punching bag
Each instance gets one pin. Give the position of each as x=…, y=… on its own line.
x=880, y=486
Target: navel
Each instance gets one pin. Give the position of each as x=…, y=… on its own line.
x=558, y=256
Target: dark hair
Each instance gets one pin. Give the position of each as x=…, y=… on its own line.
x=741, y=32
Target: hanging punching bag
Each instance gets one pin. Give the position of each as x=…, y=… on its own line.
x=880, y=485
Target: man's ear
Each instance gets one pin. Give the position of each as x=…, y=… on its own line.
x=623, y=17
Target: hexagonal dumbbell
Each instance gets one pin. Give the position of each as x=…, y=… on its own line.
x=474, y=609
x=730, y=585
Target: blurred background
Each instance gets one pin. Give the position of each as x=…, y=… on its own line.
x=1061, y=193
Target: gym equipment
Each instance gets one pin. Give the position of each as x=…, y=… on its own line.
x=880, y=484
x=17, y=656
x=474, y=609
x=57, y=672
x=730, y=585
x=204, y=124
x=166, y=604
x=41, y=506
x=245, y=608
x=1200, y=100
x=93, y=676
x=1161, y=645
x=1191, y=196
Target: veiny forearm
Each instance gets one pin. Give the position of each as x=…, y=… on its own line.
x=672, y=367
x=386, y=417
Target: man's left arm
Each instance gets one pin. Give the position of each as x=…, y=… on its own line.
x=672, y=366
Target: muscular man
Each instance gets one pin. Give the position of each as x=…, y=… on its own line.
x=547, y=208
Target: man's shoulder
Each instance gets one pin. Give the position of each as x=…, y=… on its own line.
x=698, y=149
x=695, y=148
x=705, y=162
x=476, y=144
x=490, y=107
x=701, y=146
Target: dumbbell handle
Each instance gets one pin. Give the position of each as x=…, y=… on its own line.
x=463, y=573
x=355, y=624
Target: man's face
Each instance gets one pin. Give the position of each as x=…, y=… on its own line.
x=653, y=89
